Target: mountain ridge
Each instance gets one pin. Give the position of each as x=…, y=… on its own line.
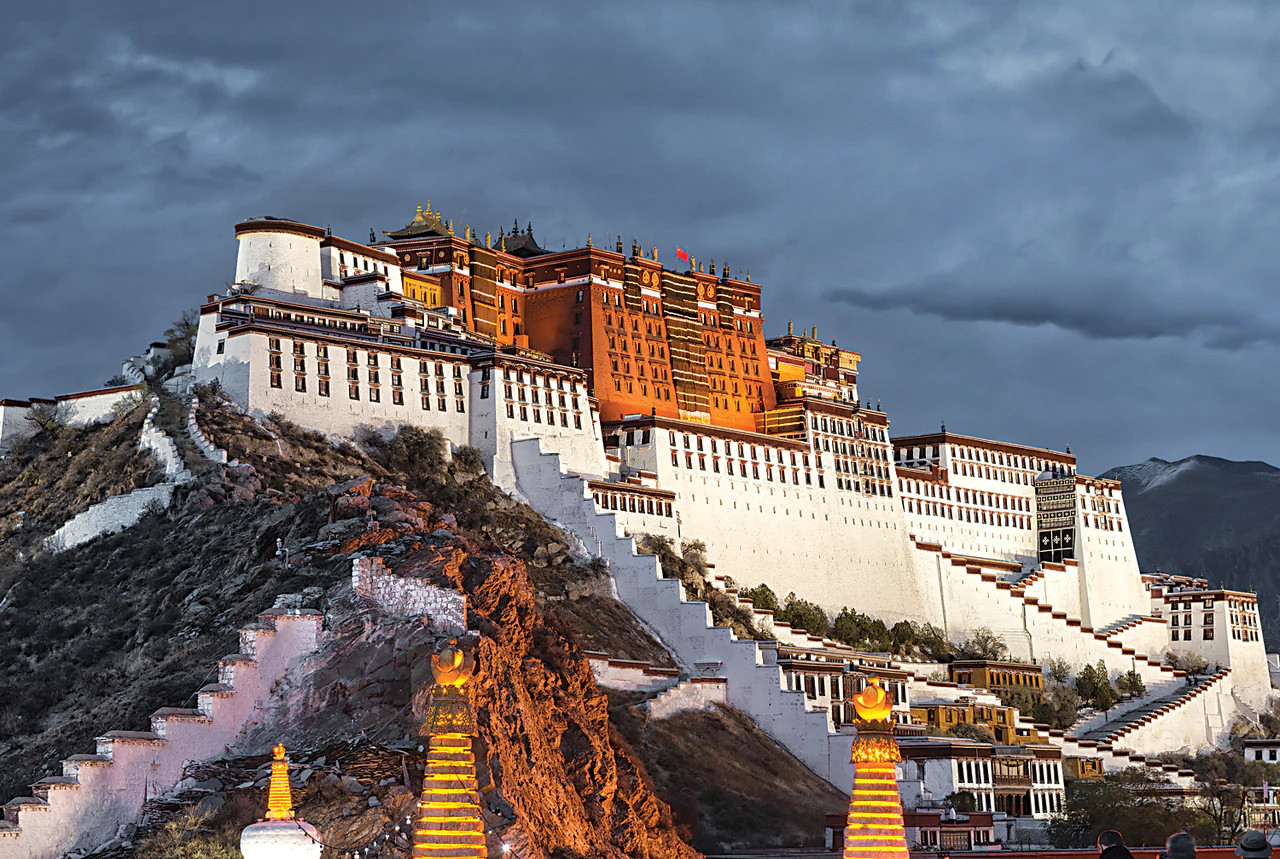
x=1212, y=517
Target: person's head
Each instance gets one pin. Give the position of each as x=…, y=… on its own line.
x=1180, y=846
x=1110, y=838
x=1253, y=845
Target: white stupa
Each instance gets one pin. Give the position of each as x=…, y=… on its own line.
x=280, y=835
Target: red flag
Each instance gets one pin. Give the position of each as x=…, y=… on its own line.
x=682, y=255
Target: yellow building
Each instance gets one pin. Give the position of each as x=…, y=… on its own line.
x=1002, y=722
x=999, y=677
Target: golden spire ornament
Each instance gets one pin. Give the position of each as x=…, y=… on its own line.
x=874, y=827
x=449, y=823
x=279, y=798
x=280, y=833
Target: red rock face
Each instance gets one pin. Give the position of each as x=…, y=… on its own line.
x=576, y=789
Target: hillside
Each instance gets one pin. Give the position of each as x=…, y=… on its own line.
x=1210, y=517
x=107, y=633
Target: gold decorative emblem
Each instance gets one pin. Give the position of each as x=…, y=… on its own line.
x=873, y=704
x=452, y=665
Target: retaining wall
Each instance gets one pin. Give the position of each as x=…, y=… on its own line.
x=99, y=792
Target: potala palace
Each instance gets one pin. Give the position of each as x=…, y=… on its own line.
x=620, y=397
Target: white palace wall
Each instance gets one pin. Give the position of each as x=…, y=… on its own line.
x=243, y=370
x=832, y=546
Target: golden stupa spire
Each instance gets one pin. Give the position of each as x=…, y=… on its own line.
x=279, y=798
x=449, y=821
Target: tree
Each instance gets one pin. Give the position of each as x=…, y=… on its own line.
x=1223, y=778
x=1131, y=684
x=984, y=644
x=1132, y=801
x=1058, y=707
x=1191, y=662
x=762, y=596
x=180, y=337
x=972, y=732
x=859, y=630
x=803, y=614
x=1094, y=686
x=962, y=801
x=1058, y=670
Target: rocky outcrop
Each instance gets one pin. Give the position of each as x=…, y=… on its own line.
x=545, y=725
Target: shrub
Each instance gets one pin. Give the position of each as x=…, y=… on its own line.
x=803, y=614
x=984, y=644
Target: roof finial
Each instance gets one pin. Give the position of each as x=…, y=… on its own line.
x=529, y=229
x=279, y=799
x=635, y=249
x=724, y=269
x=468, y=234
x=502, y=241
x=878, y=409
x=419, y=208
x=451, y=226
x=618, y=245
x=1068, y=448
x=713, y=265
x=655, y=254
x=372, y=236
x=328, y=230
x=748, y=275
x=488, y=239
x=791, y=326
x=589, y=241
x=944, y=425
x=515, y=226
x=428, y=208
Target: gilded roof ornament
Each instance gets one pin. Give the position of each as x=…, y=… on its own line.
x=873, y=704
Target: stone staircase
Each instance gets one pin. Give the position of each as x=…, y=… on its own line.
x=1070, y=637
x=754, y=682
x=97, y=793
x=1152, y=708
x=125, y=510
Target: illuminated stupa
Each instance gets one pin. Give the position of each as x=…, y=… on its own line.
x=874, y=828
x=449, y=823
x=280, y=835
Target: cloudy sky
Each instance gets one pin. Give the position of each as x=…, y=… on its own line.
x=1053, y=223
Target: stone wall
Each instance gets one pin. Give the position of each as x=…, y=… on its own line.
x=92, y=407
x=124, y=511
x=404, y=597
x=15, y=426
x=201, y=441
x=110, y=516
x=99, y=792
x=696, y=693
x=630, y=675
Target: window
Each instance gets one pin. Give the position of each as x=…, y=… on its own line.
x=374, y=395
x=300, y=384
x=222, y=346
x=353, y=391
x=275, y=379
x=484, y=392
x=322, y=387
x=459, y=405
x=397, y=397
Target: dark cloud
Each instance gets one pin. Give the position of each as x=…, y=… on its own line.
x=979, y=197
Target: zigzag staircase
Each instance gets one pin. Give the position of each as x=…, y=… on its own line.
x=99, y=792
x=755, y=681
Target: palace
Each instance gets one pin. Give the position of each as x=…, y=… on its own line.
x=657, y=395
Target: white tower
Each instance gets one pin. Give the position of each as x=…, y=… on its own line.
x=279, y=255
x=280, y=835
